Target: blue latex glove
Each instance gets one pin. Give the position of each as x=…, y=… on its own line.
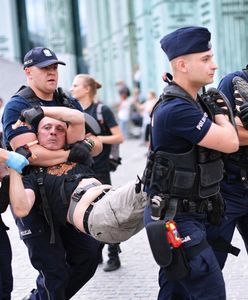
x=16, y=161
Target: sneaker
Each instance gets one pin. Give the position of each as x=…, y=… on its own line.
x=112, y=265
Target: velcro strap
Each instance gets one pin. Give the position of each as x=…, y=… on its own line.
x=221, y=245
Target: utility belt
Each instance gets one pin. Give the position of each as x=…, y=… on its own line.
x=189, y=206
x=164, y=207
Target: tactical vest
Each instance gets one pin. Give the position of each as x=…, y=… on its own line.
x=59, y=96
x=191, y=175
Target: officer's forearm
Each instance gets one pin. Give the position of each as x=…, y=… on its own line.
x=228, y=131
x=69, y=115
x=47, y=158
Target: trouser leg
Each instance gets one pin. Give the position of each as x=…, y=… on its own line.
x=6, y=278
x=82, y=256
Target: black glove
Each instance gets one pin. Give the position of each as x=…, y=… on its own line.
x=215, y=98
x=80, y=153
x=32, y=115
x=23, y=150
x=211, y=105
x=243, y=115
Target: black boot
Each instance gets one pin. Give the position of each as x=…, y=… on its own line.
x=114, y=261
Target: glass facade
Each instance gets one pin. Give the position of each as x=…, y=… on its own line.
x=36, y=22
x=111, y=39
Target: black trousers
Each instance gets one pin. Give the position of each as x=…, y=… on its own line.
x=6, y=278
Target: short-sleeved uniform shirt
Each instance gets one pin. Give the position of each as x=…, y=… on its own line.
x=13, y=110
x=177, y=125
x=109, y=121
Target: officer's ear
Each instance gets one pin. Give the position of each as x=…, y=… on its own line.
x=182, y=64
x=27, y=71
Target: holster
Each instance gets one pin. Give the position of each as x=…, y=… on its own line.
x=173, y=260
x=218, y=207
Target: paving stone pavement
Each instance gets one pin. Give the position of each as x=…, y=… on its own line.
x=137, y=277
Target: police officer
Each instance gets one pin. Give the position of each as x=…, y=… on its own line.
x=66, y=265
x=17, y=162
x=184, y=168
x=234, y=187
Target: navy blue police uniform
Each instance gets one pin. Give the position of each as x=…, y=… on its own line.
x=6, y=277
x=66, y=265
x=234, y=188
x=178, y=124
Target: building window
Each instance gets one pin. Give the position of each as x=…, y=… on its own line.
x=36, y=21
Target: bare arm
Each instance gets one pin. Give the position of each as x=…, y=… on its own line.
x=221, y=136
x=242, y=132
x=116, y=136
x=73, y=117
x=21, y=199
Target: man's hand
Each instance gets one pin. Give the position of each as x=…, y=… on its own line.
x=80, y=153
x=16, y=161
x=211, y=105
x=32, y=116
x=217, y=103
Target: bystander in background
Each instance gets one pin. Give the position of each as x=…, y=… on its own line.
x=84, y=89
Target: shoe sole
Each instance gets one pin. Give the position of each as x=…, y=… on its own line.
x=240, y=87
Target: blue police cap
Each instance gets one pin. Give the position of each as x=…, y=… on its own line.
x=41, y=57
x=186, y=40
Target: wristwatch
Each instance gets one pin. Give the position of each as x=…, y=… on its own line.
x=89, y=143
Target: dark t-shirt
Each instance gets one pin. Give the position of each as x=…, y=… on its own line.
x=13, y=110
x=177, y=125
x=53, y=185
x=109, y=121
